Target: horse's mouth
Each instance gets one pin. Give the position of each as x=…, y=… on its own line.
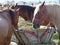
x=36, y=25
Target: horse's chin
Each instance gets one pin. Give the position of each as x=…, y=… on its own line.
x=36, y=26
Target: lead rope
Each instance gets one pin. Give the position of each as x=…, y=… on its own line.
x=18, y=35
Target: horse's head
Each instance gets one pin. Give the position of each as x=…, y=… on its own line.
x=40, y=17
x=25, y=11
x=22, y=11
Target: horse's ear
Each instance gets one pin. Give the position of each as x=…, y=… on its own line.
x=42, y=4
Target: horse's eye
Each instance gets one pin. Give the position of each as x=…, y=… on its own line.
x=38, y=15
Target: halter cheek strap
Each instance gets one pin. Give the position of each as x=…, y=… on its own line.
x=12, y=15
x=43, y=19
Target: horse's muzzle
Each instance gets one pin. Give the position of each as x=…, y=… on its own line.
x=36, y=25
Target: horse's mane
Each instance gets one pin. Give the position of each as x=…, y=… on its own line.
x=48, y=4
x=52, y=4
x=26, y=7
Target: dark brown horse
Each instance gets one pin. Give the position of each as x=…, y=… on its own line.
x=49, y=13
x=25, y=11
x=8, y=18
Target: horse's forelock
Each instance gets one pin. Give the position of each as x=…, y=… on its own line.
x=37, y=9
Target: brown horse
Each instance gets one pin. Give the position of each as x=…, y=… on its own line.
x=8, y=18
x=47, y=13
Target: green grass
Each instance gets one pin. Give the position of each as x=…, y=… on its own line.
x=25, y=24
x=28, y=26
x=55, y=38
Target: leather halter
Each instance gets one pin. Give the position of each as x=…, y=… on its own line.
x=43, y=19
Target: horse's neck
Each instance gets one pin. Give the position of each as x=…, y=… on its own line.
x=54, y=12
x=27, y=12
